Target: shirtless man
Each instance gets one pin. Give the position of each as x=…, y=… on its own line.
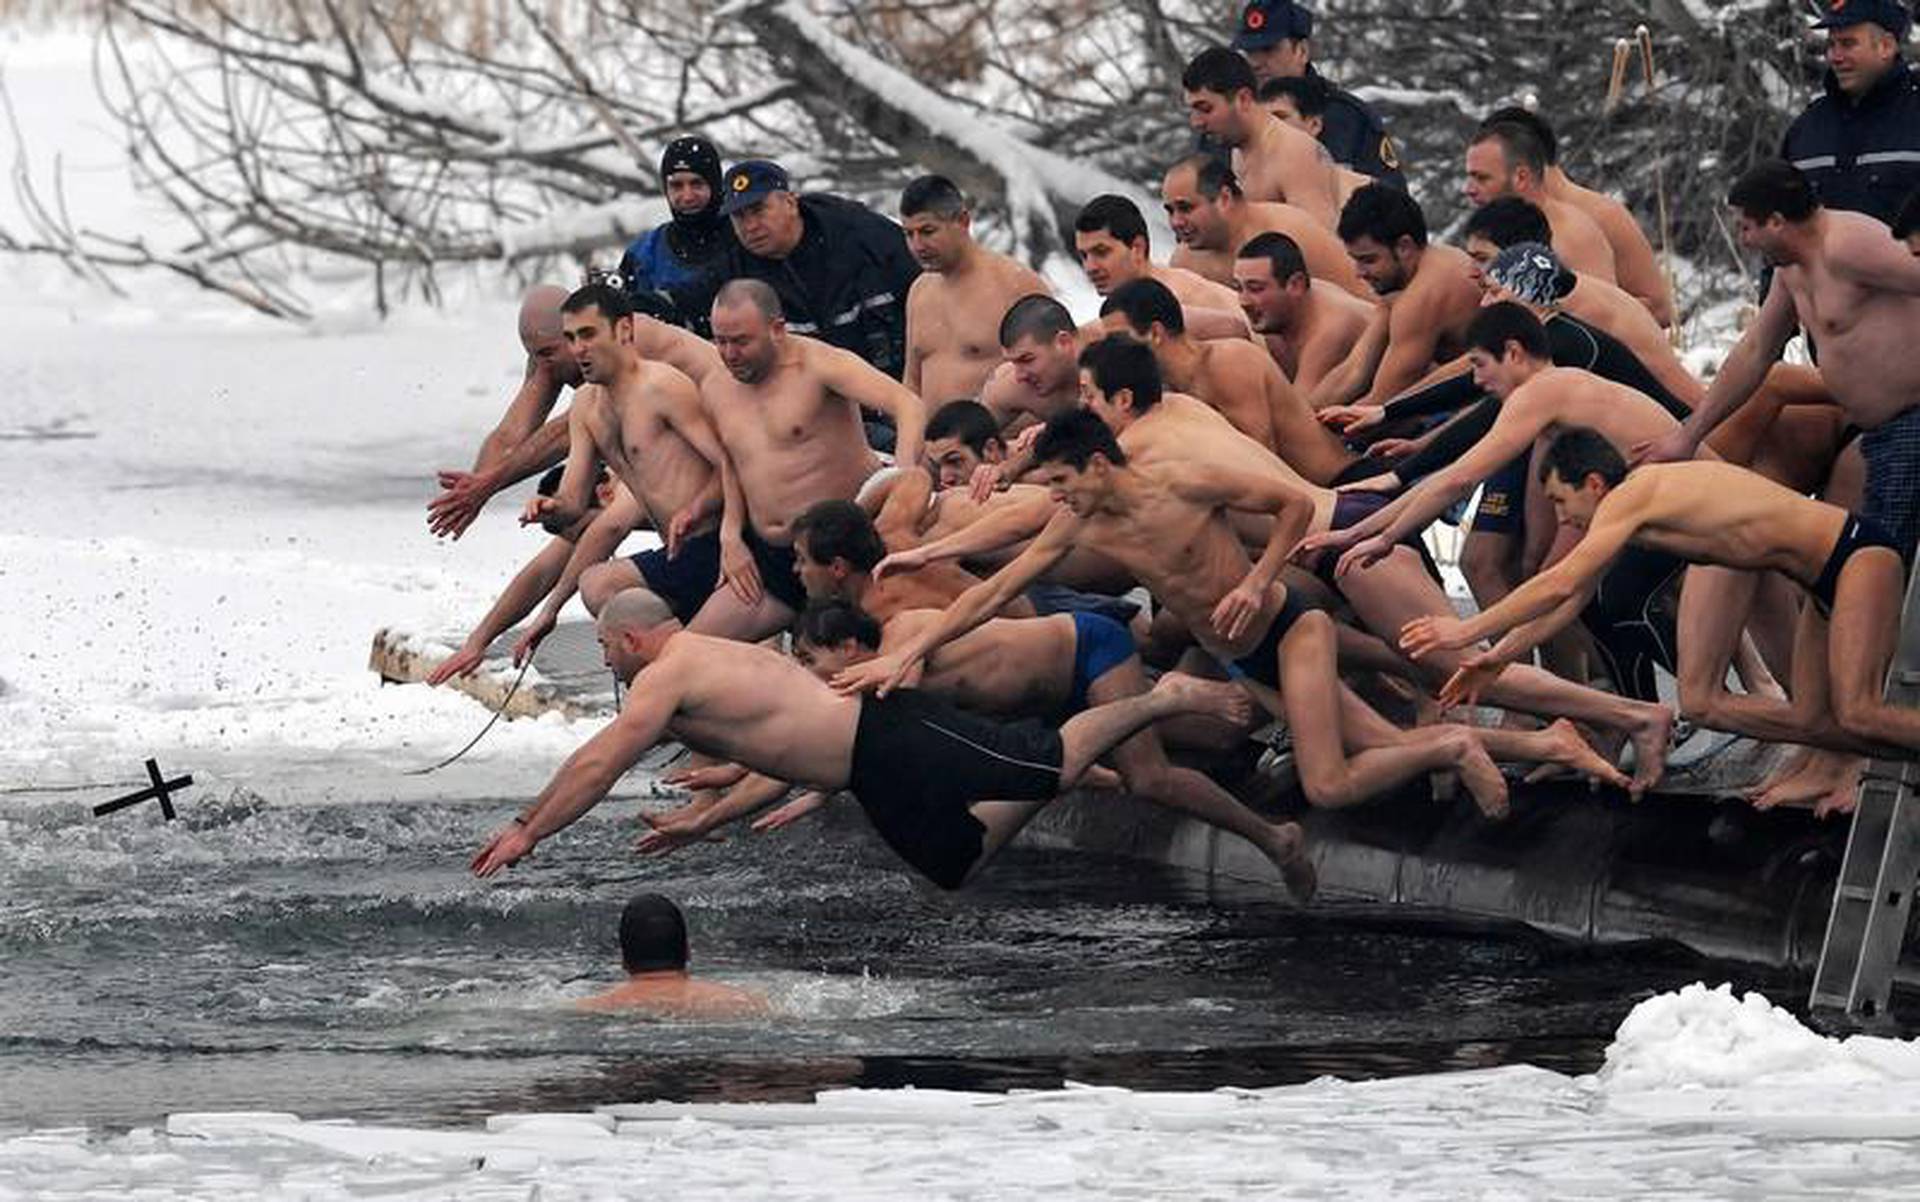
x=1431, y=299
x=1237, y=378
x=1273, y=160
x=1043, y=668
x=653, y=950
x=1110, y=236
x=1301, y=102
x=954, y=307
x=645, y=422
x=1309, y=331
x=836, y=547
x=1211, y=218
x=1121, y=386
x=787, y=409
x=1506, y=159
x=1857, y=292
x=1510, y=352
x=946, y=789
x=1036, y=378
x=528, y=440
x=1634, y=264
x=1717, y=514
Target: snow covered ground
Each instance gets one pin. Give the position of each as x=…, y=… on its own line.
x=1703, y=1096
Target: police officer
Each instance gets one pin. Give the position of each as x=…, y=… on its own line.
x=1859, y=144
x=1275, y=36
x=667, y=269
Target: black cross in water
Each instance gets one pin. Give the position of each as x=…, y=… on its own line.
x=162, y=789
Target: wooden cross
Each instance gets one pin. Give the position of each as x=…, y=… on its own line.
x=162, y=789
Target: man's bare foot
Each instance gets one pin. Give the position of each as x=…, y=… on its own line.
x=1481, y=776
x=1184, y=694
x=1562, y=744
x=1650, y=751
x=1842, y=798
x=1287, y=848
x=1799, y=760
x=1826, y=772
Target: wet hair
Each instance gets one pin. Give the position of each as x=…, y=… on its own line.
x=1906, y=223
x=653, y=935
x=1507, y=221
x=934, y=194
x=1578, y=452
x=1279, y=250
x=1121, y=361
x=1498, y=324
x=1211, y=173
x=758, y=293
x=1384, y=214
x=1521, y=146
x=1143, y=302
x=1533, y=123
x=1112, y=214
x=831, y=621
x=599, y=294
x=1309, y=93
x=1218, y=69
x=1036, y=316
x=1773, y=186
x=969, y=421
x=839, y=530
x=1074, y=437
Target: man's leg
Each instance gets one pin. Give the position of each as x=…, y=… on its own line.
x=1002, y=820
x=1092, y=733
x=1143, y=764
x=1861, y=642
x=599, y=583
x=726, y=616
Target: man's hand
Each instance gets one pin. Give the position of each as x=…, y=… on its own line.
x=880, y=675
x=986, y=481
x=1384, y=482
x=461, y=498
x=791, y=812
x=1423, y=636
x=1237, y=609
x=909, y=560
x=1675, y=446
x=1475, y=673
x=548, y=514
x=672, y=830
x=530, y=638
x=1393, y=448
x=738, y=571
x=1363, y=554
x=1308, y=550
x=676, y=533
x=707, y=776
x=460, y=663
x=1352, y=419
x=507, y=847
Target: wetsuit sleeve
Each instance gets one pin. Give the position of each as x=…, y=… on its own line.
x=1450, y=443
x=1442, y=396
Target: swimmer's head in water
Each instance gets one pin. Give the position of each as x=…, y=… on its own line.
x=653, y=935
x=1771, y=198
x=833, y=541
x=748, y=324
x=937, y=221
x=596, y=320
x=1037, y=342
x=1271, y=276
x=1110, y=236
x=633, y=629
x=1219, y=92
x=1119, y=380
x=961, y=436
x=1075, y=457
x=833, y=634
x=1527, y=272
x=1507, y=346
x=1198, y=193
x=1577, y=471
x=1385, y=233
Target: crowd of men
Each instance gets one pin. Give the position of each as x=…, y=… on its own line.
x=986, y=526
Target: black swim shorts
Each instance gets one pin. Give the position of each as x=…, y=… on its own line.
x=685, y=581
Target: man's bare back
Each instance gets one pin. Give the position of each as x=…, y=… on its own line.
x=1246, y=386
x=1280, y=163
x=676, y=995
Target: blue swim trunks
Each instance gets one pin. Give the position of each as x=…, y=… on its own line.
x=1100, y=645
x=685, y=581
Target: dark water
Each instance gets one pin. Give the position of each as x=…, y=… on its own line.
x=337, y=960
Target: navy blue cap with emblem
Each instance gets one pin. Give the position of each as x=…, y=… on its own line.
x=752, y=181
x=1265, y=22
x=1890, y=15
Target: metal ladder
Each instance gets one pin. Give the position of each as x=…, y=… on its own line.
x=1877, y=879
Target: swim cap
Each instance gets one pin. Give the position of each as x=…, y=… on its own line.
x=1529, y=270
x=693, y=154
